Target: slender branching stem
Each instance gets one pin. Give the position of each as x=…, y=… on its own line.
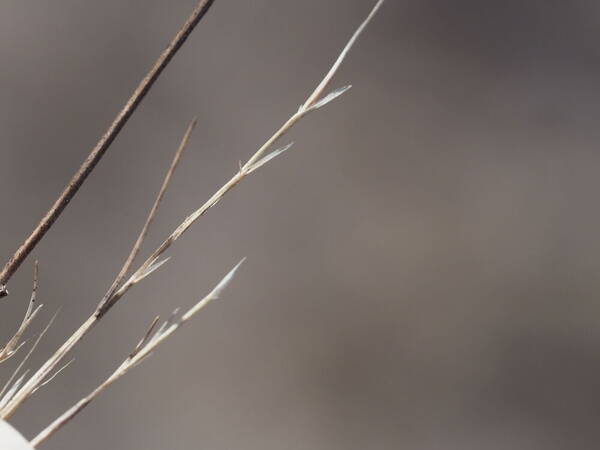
x=140, y=240
x=15, y=343
x=315, y=100
x=149, y=342
x=44, y=371
x=27, y=356
x=312, y=103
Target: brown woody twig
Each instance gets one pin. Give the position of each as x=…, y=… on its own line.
x=102, y=146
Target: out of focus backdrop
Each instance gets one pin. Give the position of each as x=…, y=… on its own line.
x=422, y=266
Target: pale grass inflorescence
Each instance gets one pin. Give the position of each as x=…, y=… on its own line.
x=21, y=386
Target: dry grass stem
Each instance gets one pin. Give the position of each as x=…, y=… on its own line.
x=44, y=371
x=313, y=102
x=14, y=344
x=31, y=350
x=140, y=240
x=103, y=144
x=16, y=393
x=151, y=340
x=318, y=92
x=153, y=262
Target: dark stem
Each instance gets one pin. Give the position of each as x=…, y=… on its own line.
x=103, y=144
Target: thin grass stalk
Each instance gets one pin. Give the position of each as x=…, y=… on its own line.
x=44, y=371
x=143, y=350
x=140, y=240
x=15, y=342
x=311, y=104
x=152, y=263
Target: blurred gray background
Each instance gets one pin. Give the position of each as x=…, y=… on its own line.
x=422, y=267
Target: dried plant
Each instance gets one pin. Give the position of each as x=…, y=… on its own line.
x=18, y=390
x=14, y=344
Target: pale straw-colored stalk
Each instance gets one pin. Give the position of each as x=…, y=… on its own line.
x=151, y=340
x=39, y=377
x=313, y=102
x=15, y=342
